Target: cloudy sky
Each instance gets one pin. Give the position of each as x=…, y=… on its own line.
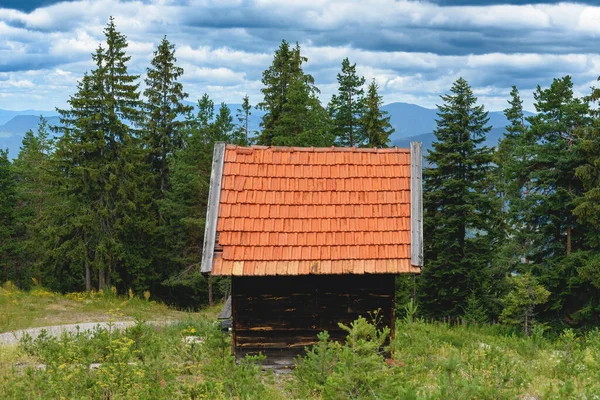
x=414, y=49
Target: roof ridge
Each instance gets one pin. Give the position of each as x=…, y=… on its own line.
x=332, y=149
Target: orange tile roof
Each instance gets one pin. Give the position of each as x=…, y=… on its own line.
x=297, y=211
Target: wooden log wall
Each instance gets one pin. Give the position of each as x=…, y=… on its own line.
x=280, y=315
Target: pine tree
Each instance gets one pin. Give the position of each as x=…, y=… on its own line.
x=304, y=122
x=164, y=106
x=520, y=302
x=31, y=169
x=224, y=126
x=511, y=185
x=72, y=223
x=8, y=204
x=556, y=237
x=293, y=113
x=163, y=136
x=243, y=117
x=375, y=124
x=587, y=208
x=99, y=171
x=347, y=107
x=186, y=202
x=457, y=206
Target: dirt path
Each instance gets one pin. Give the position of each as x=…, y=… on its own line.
x=12, y=338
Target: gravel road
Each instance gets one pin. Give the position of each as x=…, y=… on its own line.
x=12, y=338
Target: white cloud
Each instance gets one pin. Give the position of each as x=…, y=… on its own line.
x=414, y=49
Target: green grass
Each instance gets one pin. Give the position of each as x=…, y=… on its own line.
x=40, y=307
x=490, y=362
x=429, y=361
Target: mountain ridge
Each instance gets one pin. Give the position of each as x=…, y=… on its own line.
x=411, y=122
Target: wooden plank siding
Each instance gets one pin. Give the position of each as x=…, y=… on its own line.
x=280, y=315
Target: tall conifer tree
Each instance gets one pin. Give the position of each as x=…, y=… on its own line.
x=557, y=236
x=243, y=117
x=294, y=115
x=164, y=106
x=457, y=206
x=31, y=169
x=587, y=211
x=8, y=204
x=375, y=124
x=100, y=170
x=346, y=108
x=511, y=183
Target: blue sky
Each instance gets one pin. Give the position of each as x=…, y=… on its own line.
x=414, y=49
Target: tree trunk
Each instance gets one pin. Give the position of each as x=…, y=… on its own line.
x=101, y=283
x=88, y=276
x=246, y=128
x=4, y=257
x=210, y=290
x=569, y=227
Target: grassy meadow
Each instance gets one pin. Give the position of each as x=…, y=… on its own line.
x=191, y=359
x=40, y=307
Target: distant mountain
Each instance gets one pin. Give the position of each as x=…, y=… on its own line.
x=7, y=115
x=492, y=139
x=412, y=123
x=22, y=123
x=12, y=132
x=411, y=120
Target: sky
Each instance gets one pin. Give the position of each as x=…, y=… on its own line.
x=415, y=50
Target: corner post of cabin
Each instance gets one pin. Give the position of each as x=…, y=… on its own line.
x=212, y=210
x=416, y=204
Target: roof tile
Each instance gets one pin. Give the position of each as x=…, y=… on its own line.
x=287, y=210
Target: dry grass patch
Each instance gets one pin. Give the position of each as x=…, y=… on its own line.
x=40, y=307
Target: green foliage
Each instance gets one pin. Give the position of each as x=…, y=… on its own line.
x=143, y=361
x=545, y=165
x=31, y=170
x=294, y=115
x=192, y=359
x=97, y=176
x=8, y=210
x=375, y=123
x=458, y=207
x=474, y=312
x=164, y=129
x=347, y=107
x=353, y=370
x=520, y=302
x=243, y=115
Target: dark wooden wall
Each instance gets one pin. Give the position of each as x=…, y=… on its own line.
x=280, y=315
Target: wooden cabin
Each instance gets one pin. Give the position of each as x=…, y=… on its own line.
x=310, y=237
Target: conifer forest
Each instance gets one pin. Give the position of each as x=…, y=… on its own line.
x=116, y=194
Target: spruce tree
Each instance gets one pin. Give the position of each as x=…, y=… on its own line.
x=243, y=117
x=457, y=206
x=8, y=205
x=164, y=107
x=511, y=184
x=294, y=115
x=224, y=126
x=100, y=171
x=187, y=200
x=375, y=124
x=587, y=208
x=558, y=250
x=346, y=108
x=31, y=169
x=72, y=231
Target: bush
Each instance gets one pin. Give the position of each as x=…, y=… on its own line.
x=352, y=370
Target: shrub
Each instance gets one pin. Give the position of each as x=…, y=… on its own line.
x=350, y=370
